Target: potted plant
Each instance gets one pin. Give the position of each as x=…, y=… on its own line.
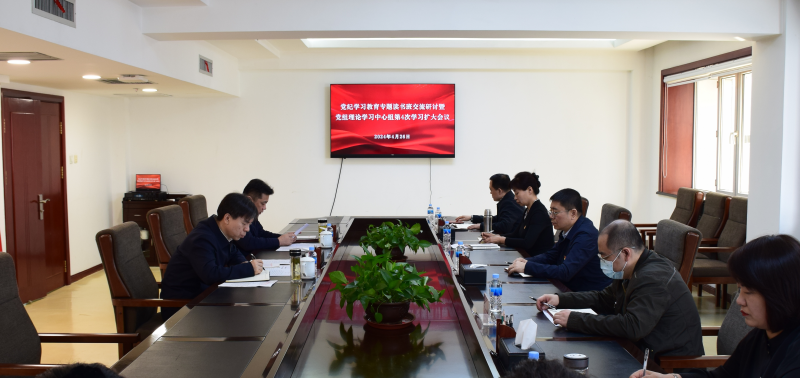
x=384, y=288
x=393, y=239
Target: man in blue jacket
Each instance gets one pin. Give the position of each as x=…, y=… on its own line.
x=573, y=260
x=207, y=256
x=259, y=239
x=509, y=212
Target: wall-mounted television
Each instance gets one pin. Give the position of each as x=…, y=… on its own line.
x=393, y=120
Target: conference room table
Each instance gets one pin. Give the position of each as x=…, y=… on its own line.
x=299, y=330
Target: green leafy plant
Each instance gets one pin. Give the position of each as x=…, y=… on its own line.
x=388, y=236
x=380, y=281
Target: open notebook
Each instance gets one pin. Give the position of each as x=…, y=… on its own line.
x=263, y=276
x=550, y=312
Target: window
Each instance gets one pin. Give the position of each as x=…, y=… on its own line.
x=722, y=134
x=705, y=125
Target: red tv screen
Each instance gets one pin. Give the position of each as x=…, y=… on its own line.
x=393, y=120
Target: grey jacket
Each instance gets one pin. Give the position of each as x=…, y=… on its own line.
x=654, y=309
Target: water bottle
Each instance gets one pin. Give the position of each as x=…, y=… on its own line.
x=329, y=228
x=446, y=238
x=456, y=265
x=459, y=251
x=430, y=214
x=438, y=217
x=496, y=291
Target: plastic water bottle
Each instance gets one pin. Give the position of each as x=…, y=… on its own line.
x=496, y=290
x=459, y=251
x=329, y=228
x=430, y=214
x=438, y=216
x=446, y=238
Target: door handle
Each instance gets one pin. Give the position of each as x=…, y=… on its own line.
x=42, y=201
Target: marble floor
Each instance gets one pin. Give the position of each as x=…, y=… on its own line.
x=85, y=306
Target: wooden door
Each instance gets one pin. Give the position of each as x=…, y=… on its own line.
x=33, y=161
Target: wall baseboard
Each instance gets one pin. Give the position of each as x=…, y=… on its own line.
x=75, y=277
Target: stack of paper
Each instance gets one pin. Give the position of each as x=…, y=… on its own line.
x=550, y=312
x=460, y=226
x=249, y=284
x=480, y=246
x=303, y=246
x=263, y=276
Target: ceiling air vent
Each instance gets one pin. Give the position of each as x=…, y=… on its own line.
x=62, y=11
x=25, y=56
x=117, y=81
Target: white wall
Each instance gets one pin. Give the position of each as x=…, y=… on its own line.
x=649, y=207
x=569, y=126
x=94, y=129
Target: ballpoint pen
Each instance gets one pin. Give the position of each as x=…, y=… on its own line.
x=644, y=368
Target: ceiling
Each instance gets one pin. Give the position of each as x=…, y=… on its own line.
x=67, y=72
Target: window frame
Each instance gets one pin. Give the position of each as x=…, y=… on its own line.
x=733, y=55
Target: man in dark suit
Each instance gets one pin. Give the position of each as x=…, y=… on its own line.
x=509, y=212
x=207, y=256
x=573, y=260
x=259, y=239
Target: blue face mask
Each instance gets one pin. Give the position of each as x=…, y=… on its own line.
x=608, y=268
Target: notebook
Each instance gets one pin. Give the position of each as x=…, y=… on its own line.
x=263, y=276
x=548, y=313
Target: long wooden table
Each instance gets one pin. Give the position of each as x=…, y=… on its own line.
x=298, y=329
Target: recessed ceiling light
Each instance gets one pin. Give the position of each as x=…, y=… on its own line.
x=149, y=90
x=738, y=38
x=19, y=61
x=91, y=77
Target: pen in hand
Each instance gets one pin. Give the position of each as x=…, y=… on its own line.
x=252, y=256
x=644, y=368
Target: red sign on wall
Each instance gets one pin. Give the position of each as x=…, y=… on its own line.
x=148, y=182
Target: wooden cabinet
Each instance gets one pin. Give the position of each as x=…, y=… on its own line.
x=136, y=211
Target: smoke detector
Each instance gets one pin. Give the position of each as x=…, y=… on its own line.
x=133, y=78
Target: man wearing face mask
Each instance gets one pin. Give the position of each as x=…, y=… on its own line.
x=647, y=303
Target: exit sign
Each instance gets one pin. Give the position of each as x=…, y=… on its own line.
x=206, y=66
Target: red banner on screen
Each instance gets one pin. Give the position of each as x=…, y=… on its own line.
x=392, y=119
x=148, y=182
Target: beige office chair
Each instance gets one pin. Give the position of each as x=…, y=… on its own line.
x=678, y=242
x=610, y=213
x=687, y=210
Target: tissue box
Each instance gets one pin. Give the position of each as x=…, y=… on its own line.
x=511, y=355
x=473, y=276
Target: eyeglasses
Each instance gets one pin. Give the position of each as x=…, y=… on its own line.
x=554, y=213
x=600, y=255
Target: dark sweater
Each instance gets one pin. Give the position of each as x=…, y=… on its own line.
x=654, y=309
x=573, y=260
x=258, y=239
x=758, y=356
x=204, y=258
x=535, y=233
x=509, y=214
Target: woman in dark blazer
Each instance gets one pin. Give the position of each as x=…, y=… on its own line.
x=769, y=295
x=535, y=233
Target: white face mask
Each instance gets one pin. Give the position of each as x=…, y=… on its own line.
x=608, y=267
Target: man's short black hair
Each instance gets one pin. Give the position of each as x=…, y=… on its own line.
x=524, y=180
x=570, y=199
x=770, y=265
x=501, y=181
x=80, y=370
x=542, y=369
x=237, y=205
x=622, y=234
x=256, y=188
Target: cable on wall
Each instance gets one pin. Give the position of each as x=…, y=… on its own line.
x=337, y=187
x=430, y=179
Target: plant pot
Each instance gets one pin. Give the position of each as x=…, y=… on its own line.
x=397, y=254
x=392, y=312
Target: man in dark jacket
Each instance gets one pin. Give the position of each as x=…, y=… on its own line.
x=259, y=239
x=573, y=260
x=509, y=212
x=207, y=256
x=648, y=302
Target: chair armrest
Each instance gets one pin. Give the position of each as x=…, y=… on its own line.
x=640, y=225
x=709, y=241
x=131, y=302
x=24, y=369
x=710, y=331
x=670, y=363
x=114, y=338
x=717, y=249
